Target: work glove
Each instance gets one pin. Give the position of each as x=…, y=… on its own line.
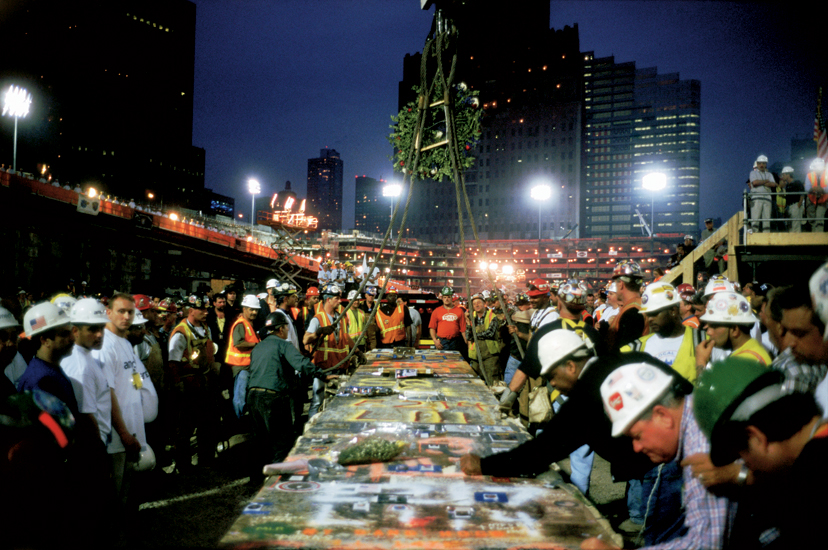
x=507, y=400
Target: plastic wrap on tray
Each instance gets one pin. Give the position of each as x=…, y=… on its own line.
x=364, y=391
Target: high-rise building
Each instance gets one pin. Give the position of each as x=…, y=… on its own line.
x=637, y=121
x=325, y=189
x=112, y=87
x=372, y=210
x=529, y=79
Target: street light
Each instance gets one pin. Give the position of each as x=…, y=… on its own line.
x=16, y=103
x=654, y=181
x=540, y=193
x=392, y=190
x=254, y=188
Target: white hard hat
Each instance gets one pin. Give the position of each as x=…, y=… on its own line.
x=817, y=165
x=762, y=158
x=64, y=302
x=558, y=344
x=613, y=287
x=7, y=320
x=352, y=294
x=629, y=391
x=718, y=283
x=272, y=283
x=146, y=460
x=89, y=311
x=261, y=295
x=139, y=318
x=728, y=308
x=787, y=170
x=251, y=302
x=818, y=285
x=659, y=296
x=42, y=317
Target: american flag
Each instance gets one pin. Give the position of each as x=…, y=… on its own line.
x=38, y=322
x=819, y=130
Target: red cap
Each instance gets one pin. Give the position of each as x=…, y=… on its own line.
x=142, y=302
x=312, y=291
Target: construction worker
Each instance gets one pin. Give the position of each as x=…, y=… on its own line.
x=312, y=305
x=686, y=310
x=330, y=341
x=669, y=340
x=817, y=199
x=193, y=369
x=447, y=325
x=539, y=294
x=521, y=319
x=762, y=184
x=133, y=392
x=393, y=319
x=568, y=363
x=629, y=323
x=487, y=326
x=729, y=321
x=355, y=320
x=367, y=306
x=652, y=404
x=11, y=361
x=243, y=339
x=746, y=412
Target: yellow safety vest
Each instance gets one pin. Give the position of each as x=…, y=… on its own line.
x=356, y=322
x=685, y=363
x=494, y=346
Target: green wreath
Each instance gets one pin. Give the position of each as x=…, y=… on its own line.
x=435, y=162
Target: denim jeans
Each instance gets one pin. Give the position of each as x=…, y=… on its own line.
x=511, y=368
x=240, y=391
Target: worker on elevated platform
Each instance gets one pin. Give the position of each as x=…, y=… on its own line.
x=817, y=187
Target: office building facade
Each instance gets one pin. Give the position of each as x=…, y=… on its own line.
x=325, y=189
x=637, y=121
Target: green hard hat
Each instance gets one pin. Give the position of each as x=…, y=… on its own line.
x=447, y=291
x=719, y=392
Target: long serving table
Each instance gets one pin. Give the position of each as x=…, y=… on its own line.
x=419, y=499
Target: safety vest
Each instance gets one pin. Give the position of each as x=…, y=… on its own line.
x=393, y=326
x=205, y=345
x=493, y=346
x=235, y=356
x=818, y=180
x=329, y=353
x=685, y=363
x=692, y=322
x=356, y=322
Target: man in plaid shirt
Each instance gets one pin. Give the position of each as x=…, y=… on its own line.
x=653, y=405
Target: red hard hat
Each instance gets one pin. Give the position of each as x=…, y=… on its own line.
x=312, y=291
x=142, y=302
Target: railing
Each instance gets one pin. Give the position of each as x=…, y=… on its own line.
x=751, y=222
x=729, y=232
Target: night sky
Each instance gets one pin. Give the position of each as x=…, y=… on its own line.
x=278, y=80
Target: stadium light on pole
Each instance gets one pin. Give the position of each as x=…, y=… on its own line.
x=654, y=181
x=540, y=193
x=392, y=190
x=254, y=188
x=16, y=103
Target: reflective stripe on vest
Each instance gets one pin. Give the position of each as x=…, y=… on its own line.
x=393, y=327
x=235, y=356
x=184, y=328
x=356, y=322
x=492, y=345
x=685, y=361
x=817, y=181
x=329, y=353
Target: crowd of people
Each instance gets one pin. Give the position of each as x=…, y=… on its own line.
x=710, y=401
x=706, y=398
x=780, y=202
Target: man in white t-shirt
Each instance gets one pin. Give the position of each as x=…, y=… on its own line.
x=133, y=391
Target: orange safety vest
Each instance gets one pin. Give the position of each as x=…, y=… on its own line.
x=692, y=322
x=818, y=180
x=393, y=326
x=329, y=353
x=235, y=356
